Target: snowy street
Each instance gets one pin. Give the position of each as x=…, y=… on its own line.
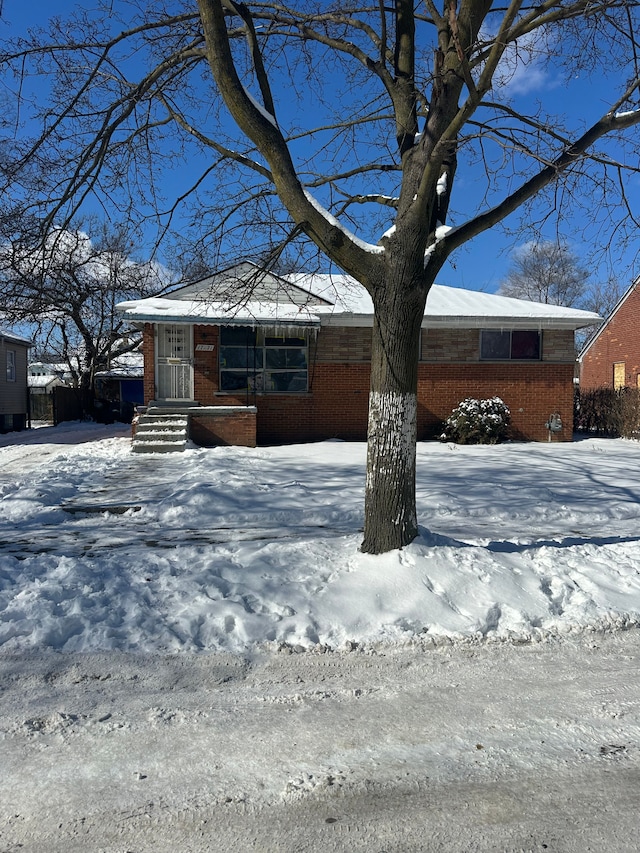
x=501, y=747
x=194, y=656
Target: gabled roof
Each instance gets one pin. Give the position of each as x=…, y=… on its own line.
x=246, y=282
x=243, y=294
x=249, y=296
x=634, y=285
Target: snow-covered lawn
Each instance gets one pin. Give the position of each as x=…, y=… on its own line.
x=195, y=657
x=230, y=548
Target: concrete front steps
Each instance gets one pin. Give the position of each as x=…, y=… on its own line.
x=159, y=431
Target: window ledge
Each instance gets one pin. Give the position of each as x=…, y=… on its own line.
x=262, y=394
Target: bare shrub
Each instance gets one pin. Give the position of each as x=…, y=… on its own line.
x=608, y=411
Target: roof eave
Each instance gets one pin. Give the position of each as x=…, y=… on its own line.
x=461, y=322
x=140, y=318
x=560, y=323
x=16, y=339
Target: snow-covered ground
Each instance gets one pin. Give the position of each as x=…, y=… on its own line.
x=230, y=548
x=195, y=656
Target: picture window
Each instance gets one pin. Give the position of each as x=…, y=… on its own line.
x=252, y=360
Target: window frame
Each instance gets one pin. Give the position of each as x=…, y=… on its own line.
x=619, y=375
x=11, y=365
x=511, y=357
x=261, y=377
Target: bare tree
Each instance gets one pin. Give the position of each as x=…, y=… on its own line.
x=65, y=290
x=551, y=273
x=603, y=296
x=343, y=124
x=546, y=272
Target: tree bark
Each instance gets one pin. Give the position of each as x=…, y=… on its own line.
x=390, y=502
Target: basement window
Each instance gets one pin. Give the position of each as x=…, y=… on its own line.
x=514, y=345
x=262, y=362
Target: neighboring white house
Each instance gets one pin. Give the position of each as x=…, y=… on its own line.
x=43, y=378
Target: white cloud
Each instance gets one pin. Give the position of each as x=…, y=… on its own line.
x=522, y=69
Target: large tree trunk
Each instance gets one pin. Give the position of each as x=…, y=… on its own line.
x=390, y=503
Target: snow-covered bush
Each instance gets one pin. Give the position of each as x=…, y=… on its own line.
x=477, y=422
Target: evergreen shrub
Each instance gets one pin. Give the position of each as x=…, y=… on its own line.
x=477, y=422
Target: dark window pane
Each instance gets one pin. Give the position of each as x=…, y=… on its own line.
x=276, y=358
x=285, y=342
x=282, y=358
x=494, y=344
x=289, y=380
x=237, y=336
x=240, y=380
x=525, y=345
x=240, y=357
x=296, y=358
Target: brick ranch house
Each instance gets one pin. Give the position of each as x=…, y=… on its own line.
x=248, y=357
x=611, y=359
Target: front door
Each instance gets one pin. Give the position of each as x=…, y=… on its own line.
x=174, y=370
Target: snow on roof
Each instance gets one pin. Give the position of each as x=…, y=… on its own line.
x=43, y=381
x=314, y=299
x=15, y=339
x=132, y=372
x=41, y=368
x=447, y=306
x=166, y=310
x=128, y=365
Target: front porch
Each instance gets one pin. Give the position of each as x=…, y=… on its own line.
x=164, y=426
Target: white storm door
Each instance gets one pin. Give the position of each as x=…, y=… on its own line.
x=174, y=362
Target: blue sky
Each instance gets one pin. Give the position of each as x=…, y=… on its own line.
x=483, y=263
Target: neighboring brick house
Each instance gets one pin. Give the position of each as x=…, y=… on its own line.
x=14, y=396
x=611, y=359
x=295, y=350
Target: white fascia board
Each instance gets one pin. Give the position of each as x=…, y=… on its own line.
x=347, y=320
x=560, y=323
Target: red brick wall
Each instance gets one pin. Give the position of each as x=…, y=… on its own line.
x=148, y=351
x=211, y=429
x=205, y=364
x=336, y=406
x=618, y=341
x=532, y=392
